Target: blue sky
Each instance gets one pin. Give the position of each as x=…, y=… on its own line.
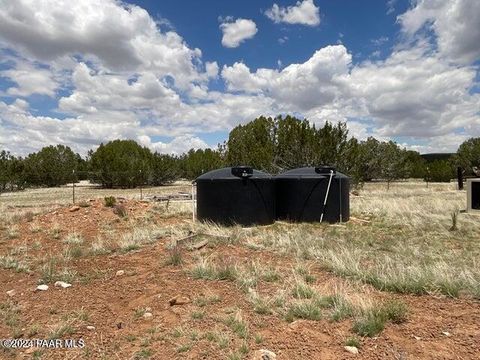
x=351, y=22
x=179, y=74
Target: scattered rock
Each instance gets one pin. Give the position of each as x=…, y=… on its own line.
x=74, y=208
x=351, y=349
x=120, y=272
x=11, y=293
x=179, y=311
x=148, y=309
x=200, y=245
x=297, y=324
x=147, y=315
x=446, y=333
x=90, y=327
x=264, y=354
x=417, y=337
x=62, y=284
x=179, y=300
x=119, y=325
x=42, y=287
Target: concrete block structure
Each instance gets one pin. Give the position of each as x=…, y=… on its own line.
x=473, y=195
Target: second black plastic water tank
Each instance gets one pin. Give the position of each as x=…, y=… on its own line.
x=300, y=195
x=236, y=195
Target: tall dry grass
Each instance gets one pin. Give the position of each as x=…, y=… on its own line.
x=408, y=245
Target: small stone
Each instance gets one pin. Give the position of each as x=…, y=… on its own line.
x=62, y=284
x=74, y=208
x=147, y=315
x=417, y=337
x=11, y=293
x=295, y=325
x=351, y=349
x=179, y=300
x=90, y=327
x=446, y=333
x=148, y=309
x=42, y=287
x=264, y=354
x=120, y=272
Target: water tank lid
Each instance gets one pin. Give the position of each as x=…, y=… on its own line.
x=310, y=172
x=233, y=173
x=325, y=170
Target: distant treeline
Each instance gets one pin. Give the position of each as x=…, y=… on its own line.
x=270, y=144
x=437, y=156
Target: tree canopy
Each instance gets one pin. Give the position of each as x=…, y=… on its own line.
x=270, y=144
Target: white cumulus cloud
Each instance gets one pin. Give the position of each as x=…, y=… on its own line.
x=30, y=79
x=456, y=24
x=236, y=32
x=114, y=35
x=303, y=12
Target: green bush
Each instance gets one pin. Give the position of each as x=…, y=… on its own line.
x=395, y=311
x=110, y=201
x=439, y=171
x=370, y=324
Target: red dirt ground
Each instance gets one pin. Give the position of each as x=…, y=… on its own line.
x=437, y=327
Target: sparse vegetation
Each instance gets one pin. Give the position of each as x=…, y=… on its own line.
x=202, y=301
x=143, y=354
x=137, y=238
x=50, y=272
x=237, y=325
x=12, y=232
x=395, y=311
x=61, y=330
x=258, y=339
x=73, y=239
x=10, y=261
x=270, y=275
x=302, y=290
x=110, y=201
x=197, y=315
x=353, y=341
x=398, y=241
x=84, y=204
x=261, y=305
x=174, y=256
x=303, y=309
x=120, y=210
x=373, y=320
x=10, y=316
x=99, y=246
x=139, y=312
x=370, y=324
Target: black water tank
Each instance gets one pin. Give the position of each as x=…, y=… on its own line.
x=301, y=195
x=237, y=195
